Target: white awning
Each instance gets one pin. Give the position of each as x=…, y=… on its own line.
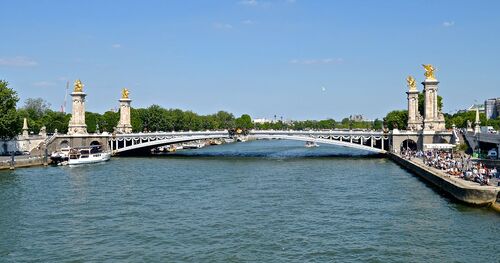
x=439, y=146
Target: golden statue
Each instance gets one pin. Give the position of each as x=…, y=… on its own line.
x=429, y=71
x=125, y=93
x=78, y=86
x=411, y=83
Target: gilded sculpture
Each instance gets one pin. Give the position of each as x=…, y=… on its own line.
x=125, y=93
x=411, y=83
x=429, y=71
x=78, y=86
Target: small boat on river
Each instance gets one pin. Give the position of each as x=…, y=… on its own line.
x=60, y=156
x=87, y=155
x=311, y=144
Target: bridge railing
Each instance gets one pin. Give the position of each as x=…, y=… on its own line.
x=173, y=133
x=316, y=132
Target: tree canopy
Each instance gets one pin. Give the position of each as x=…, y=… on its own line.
x=397, y=119
x=10, y=121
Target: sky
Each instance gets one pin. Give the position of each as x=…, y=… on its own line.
x=293, y=58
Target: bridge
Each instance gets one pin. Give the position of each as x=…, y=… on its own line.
x=371, y=141
x=484, y=141
x=427, y=131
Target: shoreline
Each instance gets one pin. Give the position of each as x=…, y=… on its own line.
x=22, y=163
x=466, y=192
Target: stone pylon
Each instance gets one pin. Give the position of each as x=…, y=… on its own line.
x=124, y=125
x=414, y=117
x=477, y=126
x=433, y=118
x=77, y=123
x=25, y=128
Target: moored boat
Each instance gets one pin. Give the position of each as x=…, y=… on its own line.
x=60, y=156
x=311, y=144
x=87, y=155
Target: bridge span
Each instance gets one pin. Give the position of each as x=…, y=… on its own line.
x=142, y=142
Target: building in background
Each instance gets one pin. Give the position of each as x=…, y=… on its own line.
x=473, y=107
x=492, y=108
x=356, y=117
x=262, y=120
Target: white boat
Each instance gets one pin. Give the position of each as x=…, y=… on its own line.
x=88, y=155
x=60, y=156
x=178, y=147
x=311, y=144
x=193, y=145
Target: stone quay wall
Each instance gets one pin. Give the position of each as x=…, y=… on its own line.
x=24, y=162
x=465, y=192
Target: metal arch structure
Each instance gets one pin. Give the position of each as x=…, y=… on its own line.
x=376, y=142
x=121, y=143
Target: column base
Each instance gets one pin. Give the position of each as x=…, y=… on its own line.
x=124, y=128
x=77, y=129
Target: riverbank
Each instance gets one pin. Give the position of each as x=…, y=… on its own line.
x=25, y=161
x=464, y=191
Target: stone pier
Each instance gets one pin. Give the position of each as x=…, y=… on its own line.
x=124, y=125
x=77, y=123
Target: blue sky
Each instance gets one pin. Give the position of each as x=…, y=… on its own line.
x=298, y=59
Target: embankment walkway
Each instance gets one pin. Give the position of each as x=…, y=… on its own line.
x=465, y=191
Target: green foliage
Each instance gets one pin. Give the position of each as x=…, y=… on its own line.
x=244, y=122
x=378, y=124
x=10, y=121
x=36, y=107
x=92, y=120
x=460, y=120
x=396, y=119
x=156, y=118
x=108, y=121
x=53, y=120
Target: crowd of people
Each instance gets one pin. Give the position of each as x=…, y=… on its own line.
x=459, y=165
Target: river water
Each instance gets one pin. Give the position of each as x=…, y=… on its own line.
x=264, y=201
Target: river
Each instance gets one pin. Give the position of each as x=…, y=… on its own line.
x=263, y=201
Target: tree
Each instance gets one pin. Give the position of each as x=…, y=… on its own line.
x=396, y=119
x=244, y=122
x=135, y=119
x=153, y=118
x=92, y=120
x=108, y=121
x=36, y=107
x=10, y=121
x=225, y=120
x=377, y=124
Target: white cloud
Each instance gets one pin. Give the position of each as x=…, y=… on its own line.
x=116, y=45
x=255, y=3
x=18, y=62
x=248, y=22
x=43, y=84
x=249, y=2
x=320, y=61
x=448, y=23
x=222, y=26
